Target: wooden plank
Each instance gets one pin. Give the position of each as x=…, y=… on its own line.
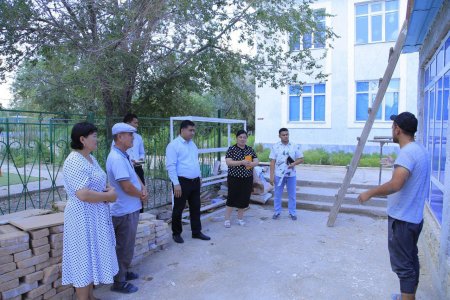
x=5, y=219
x=393, y=59
x=205, y=208
x=38, y=222
x=215, y=177
x=261, y=199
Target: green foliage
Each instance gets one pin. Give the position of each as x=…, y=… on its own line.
x=341, y=158
x=316, y=157
x=175, y=57
x=370, y=160
x=263, y=155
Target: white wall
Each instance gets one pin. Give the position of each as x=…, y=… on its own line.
x=345, y=63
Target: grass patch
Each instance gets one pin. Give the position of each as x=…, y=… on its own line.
x=322, y=157
x=14, y=179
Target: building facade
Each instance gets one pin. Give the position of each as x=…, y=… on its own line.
x=429, y=35
x=331, y=114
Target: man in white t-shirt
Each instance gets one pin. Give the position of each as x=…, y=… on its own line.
x=284, y=156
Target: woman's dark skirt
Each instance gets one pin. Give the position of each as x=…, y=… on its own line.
x=239, y=191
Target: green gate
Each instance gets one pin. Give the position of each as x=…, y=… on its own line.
x=34, y=145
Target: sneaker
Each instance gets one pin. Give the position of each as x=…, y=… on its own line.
x=124, y=288
x=294, y=218
x=275, y=216
x=241, y=222
x=227, y=224
x=131, y=276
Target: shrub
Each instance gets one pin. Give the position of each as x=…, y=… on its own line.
x=340, y=158
x=316, y=157
x=370, y=160
x=259, y=148
x=263, y=156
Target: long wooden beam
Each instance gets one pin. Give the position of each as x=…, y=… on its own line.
x=392, y=63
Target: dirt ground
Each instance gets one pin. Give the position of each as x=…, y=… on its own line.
x=275, y=259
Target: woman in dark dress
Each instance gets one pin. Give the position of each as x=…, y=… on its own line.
x=240, y=160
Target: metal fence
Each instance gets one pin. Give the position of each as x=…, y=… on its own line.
x=34, y=145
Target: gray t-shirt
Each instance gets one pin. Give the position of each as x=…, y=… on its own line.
x=408, y=203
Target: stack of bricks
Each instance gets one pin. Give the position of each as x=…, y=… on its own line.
x=30, y=264
x=30, y=261
x=162, y=234
x=152, y=235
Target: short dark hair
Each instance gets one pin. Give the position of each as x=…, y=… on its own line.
x=241, y=132
x=186, y=124
x=282, y=129
x=78, y=130
x=129, y=117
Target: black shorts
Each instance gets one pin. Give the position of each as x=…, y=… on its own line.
x=403, y=252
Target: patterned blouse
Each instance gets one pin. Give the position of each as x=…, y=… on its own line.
x=236, y=154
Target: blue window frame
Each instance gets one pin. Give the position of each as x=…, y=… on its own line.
x=376, y=22
x=307, y=103
x=436, y=79
x=366, y=92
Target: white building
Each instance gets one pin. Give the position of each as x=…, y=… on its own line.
x=331, y=114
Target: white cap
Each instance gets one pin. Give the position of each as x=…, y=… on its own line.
x=122, y=127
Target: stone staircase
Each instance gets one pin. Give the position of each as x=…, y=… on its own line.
x=320, y=195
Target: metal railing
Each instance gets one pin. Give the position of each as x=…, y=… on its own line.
x=34, y=145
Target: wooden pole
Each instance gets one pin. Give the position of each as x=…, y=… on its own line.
x=392, y=63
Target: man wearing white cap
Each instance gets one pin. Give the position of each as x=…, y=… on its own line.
x=125, y=211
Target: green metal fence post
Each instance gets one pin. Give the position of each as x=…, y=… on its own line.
x=219, y=135
x=8, y=153
x=24, y=180
x=39, y=149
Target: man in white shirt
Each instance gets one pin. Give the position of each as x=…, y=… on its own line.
x=137, y=152
x=284, y=156
x=184, y=171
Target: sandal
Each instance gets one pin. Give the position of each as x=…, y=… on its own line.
x=124, y=287
x=227, y=224
x=241, y=222
x=131, y=276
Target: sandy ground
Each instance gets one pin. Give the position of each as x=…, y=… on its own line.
x=275, y=259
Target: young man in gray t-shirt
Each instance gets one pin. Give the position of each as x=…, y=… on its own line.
x=407, y=191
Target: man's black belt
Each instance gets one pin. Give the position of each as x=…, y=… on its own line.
x=189, y=179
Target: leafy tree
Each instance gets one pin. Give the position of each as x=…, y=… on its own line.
x=153, y=51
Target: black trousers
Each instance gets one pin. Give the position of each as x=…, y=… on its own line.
x=403, y=252
x=140, y=173
x=190, y=191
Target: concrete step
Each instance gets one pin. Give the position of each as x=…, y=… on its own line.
x=328, y=195
x=366, y=210
x=332, y=184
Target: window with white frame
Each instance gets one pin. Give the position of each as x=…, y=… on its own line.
x=313, y=40
x=376, y=21
x=436, y=101
x=366, y=92
x=307, y=103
